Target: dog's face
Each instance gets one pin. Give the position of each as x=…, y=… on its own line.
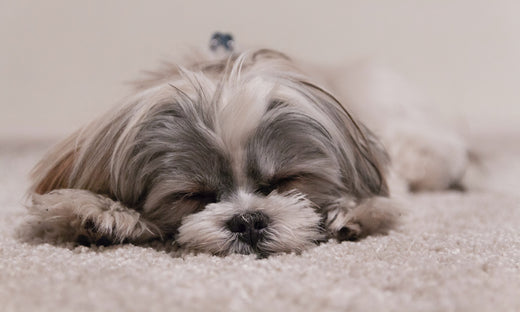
x=245, y=156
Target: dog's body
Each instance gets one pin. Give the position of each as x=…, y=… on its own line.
x=245, y=154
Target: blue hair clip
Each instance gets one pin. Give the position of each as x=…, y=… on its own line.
x=221, y=40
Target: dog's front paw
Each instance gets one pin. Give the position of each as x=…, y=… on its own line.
x=352, y=222
x=72, y=215
x=349, y=232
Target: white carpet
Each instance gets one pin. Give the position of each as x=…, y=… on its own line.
x=454, y=252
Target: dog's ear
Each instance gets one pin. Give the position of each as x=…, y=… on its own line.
x=92, y=158
x=55, y=169
x=57, y=177
x=81, y=161
x=372, y=160
x=362, y=157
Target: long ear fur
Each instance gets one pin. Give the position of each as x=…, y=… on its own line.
x=83, y=161
x=73, y=197
x=54, y=170
x=363, y=159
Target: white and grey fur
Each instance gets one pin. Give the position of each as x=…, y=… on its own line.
x=204, y=153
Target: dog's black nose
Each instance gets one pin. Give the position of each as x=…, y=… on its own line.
x=249, y=226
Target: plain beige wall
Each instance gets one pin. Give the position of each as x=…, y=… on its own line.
x=63, y=62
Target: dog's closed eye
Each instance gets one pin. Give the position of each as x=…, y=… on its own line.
x=277, y=183
x=203, y=197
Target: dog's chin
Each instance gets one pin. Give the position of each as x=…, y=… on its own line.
x=293, y=225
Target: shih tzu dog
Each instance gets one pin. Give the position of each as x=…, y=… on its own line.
x=241, y=153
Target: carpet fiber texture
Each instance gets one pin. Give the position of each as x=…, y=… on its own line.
x=453, y=252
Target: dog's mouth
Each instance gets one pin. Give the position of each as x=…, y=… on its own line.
x=266, y=247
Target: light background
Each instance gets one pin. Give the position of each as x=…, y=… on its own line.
x=63, y=62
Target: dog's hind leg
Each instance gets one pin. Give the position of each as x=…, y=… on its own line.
x=426, y=151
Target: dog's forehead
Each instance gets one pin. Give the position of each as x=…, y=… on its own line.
x=239, y=111
x=265, y=126
x=256, y=128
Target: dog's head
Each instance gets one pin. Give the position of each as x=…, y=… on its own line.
x=241, y=155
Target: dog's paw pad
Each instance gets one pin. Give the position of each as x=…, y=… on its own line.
x=103, y=241
x=83, y=240
x=89, y=234
x=92, y=239
x=350, y=232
